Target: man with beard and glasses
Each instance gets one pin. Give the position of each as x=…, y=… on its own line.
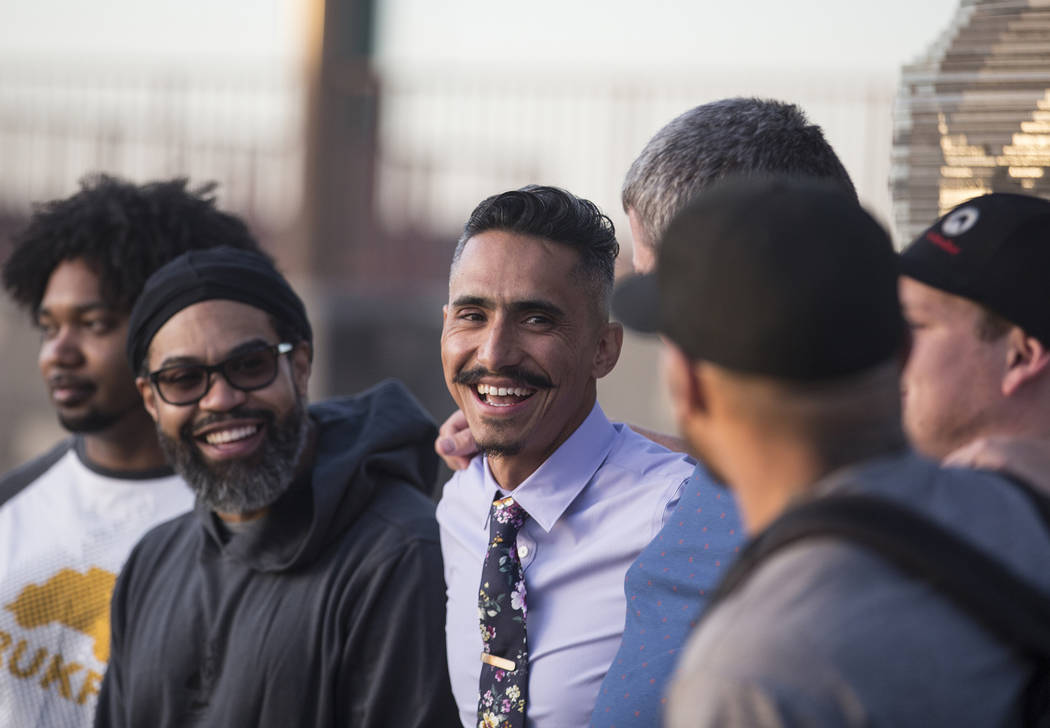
x=305, y=589
x=68, y=519
x=538, y=533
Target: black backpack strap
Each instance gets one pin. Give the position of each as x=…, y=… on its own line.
x=982, y=586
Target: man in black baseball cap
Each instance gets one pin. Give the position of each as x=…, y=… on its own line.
x=974, y=290
x=784, y=339
x=302, y=589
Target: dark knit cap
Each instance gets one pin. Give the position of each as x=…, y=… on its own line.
x=993, y=250
x=204, y=275
x=788, y=279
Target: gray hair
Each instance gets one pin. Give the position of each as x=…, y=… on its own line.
x=732, y=137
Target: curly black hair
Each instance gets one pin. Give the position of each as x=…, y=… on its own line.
x=123, y=231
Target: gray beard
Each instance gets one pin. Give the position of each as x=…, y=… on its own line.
x=242, y=486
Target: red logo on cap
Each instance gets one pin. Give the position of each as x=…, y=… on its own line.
x=942, y=242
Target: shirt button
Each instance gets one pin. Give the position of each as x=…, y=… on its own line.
x=523, y=551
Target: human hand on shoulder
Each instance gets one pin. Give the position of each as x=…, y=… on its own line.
x=455, y=443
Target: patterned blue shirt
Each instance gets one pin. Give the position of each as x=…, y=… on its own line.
x=667, y=588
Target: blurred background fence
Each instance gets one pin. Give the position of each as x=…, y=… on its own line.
x=437, y=141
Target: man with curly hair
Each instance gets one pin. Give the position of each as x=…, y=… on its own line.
x=69, y=518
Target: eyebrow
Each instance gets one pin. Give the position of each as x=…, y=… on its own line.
x=242, y=348
x=536, y=304
x=80, y=309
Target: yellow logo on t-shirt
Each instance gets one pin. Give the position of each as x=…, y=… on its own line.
x=77, y=600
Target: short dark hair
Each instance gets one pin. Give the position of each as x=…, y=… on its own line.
x=746, y=137
x=990, y=325
x=553, y=214
x=123, y=231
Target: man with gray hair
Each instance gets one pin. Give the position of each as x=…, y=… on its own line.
x=739, y=137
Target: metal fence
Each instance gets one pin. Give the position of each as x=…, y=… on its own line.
x=448, y=138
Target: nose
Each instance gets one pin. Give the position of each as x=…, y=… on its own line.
x=499, y=346
x=221, y=396
x=62, y=350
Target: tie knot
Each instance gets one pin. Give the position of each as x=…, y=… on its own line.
x=508, y=515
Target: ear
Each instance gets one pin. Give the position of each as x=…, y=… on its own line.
x=1026, y=359
x=301, y=358
x=686, y=388
x=610, y=341
x=149, y=397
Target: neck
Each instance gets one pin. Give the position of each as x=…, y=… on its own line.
x=781, y=469
x=510, y=471
x=1026, y=417
x=129, y=445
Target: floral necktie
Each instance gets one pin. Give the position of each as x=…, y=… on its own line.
x=504, y=683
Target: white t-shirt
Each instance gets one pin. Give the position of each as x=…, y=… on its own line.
x=63, y=540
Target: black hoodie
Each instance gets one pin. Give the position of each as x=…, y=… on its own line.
x=330, y=613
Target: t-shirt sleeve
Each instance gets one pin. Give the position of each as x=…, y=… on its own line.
x=394, y=668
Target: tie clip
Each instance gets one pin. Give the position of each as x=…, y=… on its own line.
x=498, y=662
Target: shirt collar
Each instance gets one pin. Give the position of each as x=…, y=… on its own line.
x=554, y=485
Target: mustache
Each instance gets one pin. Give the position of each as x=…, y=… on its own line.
x=520, y=375
x=68, y=380
x=190, y=429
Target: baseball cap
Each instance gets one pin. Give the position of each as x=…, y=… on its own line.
x=993, y=250
x=787, y=279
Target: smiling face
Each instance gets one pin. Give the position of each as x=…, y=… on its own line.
x=952, y=382
x=82, y=351
x=238, y=450
x=522, y=347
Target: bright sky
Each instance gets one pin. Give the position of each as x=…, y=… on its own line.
x=805, y=34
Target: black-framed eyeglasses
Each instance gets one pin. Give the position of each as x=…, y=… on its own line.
x=185, y=384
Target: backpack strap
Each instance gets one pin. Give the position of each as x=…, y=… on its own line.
x=979, y=584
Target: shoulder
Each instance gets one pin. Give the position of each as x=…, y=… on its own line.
x=830, y=608
x=165, y=541
x=463, y=493
x=398, y=524
x=405, y=511
x=21, y=477
x=159, y=562
x=980, y=506
x=638, y=455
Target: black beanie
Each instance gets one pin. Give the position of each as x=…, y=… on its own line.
x=203, y=275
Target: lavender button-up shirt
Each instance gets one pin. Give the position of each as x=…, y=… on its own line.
x=593, y=506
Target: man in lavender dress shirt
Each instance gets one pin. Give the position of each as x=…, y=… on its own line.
x=526, y=337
